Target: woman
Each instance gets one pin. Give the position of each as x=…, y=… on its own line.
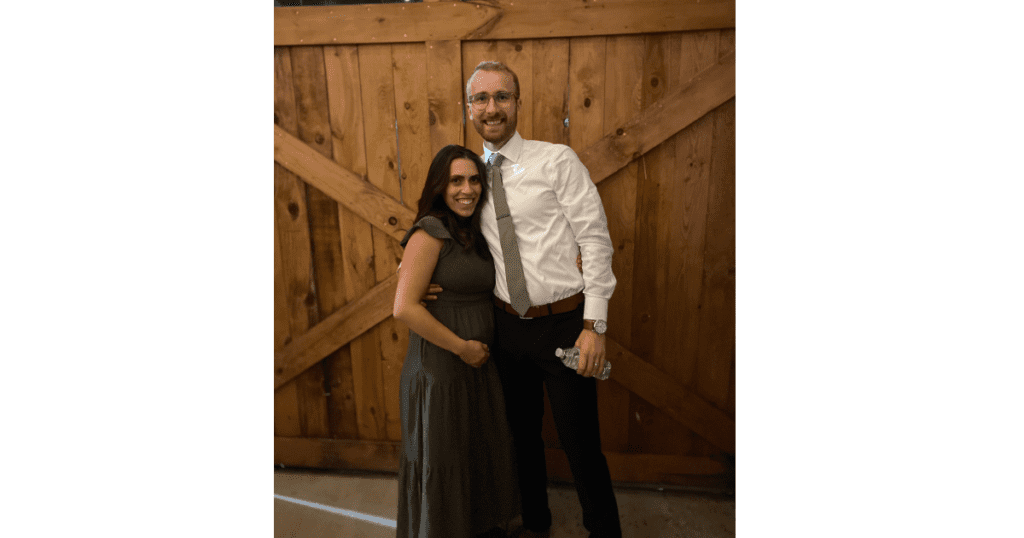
x=456, y=475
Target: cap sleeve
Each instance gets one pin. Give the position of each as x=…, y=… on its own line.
x=431, y=225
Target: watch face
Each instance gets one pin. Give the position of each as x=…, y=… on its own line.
x=600, y=326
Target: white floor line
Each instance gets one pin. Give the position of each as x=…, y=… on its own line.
x=347, y=513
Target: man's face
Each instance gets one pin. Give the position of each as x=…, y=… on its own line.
x=495, y=122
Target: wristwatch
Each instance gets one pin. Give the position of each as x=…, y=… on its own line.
x=598, y=326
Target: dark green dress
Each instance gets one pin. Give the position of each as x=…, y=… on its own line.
x=457, y=474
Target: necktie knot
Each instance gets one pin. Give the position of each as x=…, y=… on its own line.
x=496, y=159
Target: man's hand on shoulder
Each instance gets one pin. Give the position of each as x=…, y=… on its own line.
x=431, y=295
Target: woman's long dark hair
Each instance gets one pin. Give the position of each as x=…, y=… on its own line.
x=466, y=231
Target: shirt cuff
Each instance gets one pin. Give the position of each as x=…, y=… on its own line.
x=595, y=307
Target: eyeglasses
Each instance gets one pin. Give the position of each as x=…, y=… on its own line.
x=500, y=98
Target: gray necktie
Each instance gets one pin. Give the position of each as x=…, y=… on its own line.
x=509, y=245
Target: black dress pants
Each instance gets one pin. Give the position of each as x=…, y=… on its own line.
x=524, y=351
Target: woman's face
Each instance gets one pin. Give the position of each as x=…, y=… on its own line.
x=463, y=192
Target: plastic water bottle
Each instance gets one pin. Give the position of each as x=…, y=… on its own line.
x=571, y=358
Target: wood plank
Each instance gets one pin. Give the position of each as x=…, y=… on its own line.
x=348, y=148
x=293, y=236
x=336, y=330
x=446, y=94
x=651, y=429
x=281, y=332
x=624, y=60
x=677, y=401
x=376, y=66
x=587, y=87
x=550, y=90
x=650, y=206
x=662, y=119
x=626, y=467
x=685, y=245
x=313, y=125
x=494, y=19
x=359, y=196
x=717, y=345
x=412, y=111
x=337, y=454
x=518, y=56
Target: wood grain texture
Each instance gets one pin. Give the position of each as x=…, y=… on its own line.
x=626, y=467
x=359, y=196
x=622, y=100
x=662, y=119
x=377, y=64
x=337, y=454
x=335, y=331
x=293, y=241
x=494, y=19
x=587, y=91
x=679, y=402
x=651, y=429
x=550, y=90
x=717, y=347
x=412, y=111
x=685, y=243
x=341, y=65
x=314, y=129
x=445, y=93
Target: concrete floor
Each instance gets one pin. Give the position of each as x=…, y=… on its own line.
x=311, y=503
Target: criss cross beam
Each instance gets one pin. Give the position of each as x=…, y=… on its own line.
x=350, y=189
x=494, y=19
x=662, y=119
x=633, y=138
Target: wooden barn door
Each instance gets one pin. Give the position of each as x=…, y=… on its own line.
x=643, y=91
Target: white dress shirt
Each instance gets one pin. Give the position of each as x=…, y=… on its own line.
x=555, y=208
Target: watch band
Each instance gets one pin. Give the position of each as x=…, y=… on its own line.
x=598, y=326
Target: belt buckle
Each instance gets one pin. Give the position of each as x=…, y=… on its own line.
x=523, y=317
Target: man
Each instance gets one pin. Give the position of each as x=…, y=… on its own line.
x=553, y=209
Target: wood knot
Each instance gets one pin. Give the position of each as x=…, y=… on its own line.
x=276, y=119
x=586, y=102
x=391, y=164
x=293, y=210
x=433, y=118
x=654, y=82
x=310, y=300
x=519, y=47
x=407, y=105
x=636, y=155
x=319, y=138
x=392, y=221
x=620, y=132
x=645, y=318
x=394, y=336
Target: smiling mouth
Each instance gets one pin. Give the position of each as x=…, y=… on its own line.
x=494, y=122
x=466, y=201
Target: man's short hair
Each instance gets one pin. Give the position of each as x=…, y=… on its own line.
x=496, y=67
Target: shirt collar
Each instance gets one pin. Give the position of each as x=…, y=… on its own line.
x=511, y=150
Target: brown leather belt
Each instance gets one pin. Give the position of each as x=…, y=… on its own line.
x=558, y=307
